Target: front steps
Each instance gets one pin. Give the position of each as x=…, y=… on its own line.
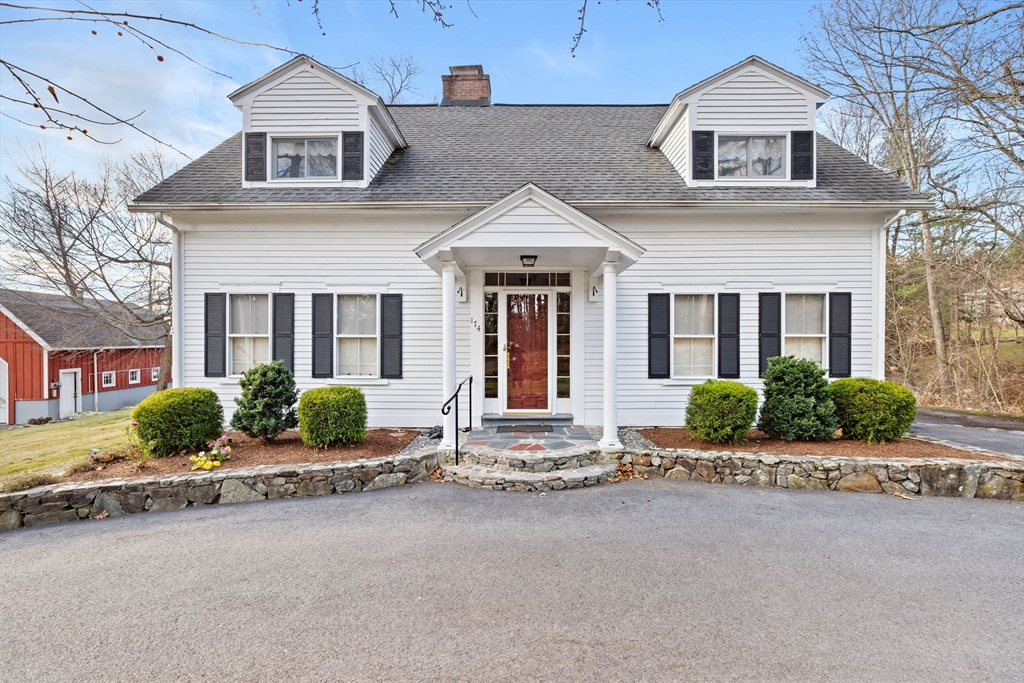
x=477, y=476
x=567, y=457
x=496, y=420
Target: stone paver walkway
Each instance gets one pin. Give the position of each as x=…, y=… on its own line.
x=559, y=437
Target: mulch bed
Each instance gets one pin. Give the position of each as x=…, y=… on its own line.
x=248, y=452
x=758, y=442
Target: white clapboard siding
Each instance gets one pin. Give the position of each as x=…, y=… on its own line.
x=307, y=254
x=378, y=149
x=753, y=102
x=676, y=145
x=306, y=101
x=712, y=254
x=686, y=252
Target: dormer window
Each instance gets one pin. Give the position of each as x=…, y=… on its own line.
x=305, y=157
x=751, y=156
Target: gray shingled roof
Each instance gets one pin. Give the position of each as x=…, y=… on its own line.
x=579, y=153
x=65, y=323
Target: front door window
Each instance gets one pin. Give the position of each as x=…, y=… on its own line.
x=526, y=354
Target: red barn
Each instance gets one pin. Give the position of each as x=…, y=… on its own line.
x=59, y=356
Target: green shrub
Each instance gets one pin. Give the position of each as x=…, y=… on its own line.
x=332, y=416
x=721, y=411
x=267, y=404
x=871, y=410
x=176, y=420
x=797, y=403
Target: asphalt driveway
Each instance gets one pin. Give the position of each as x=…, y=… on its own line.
x=1000, y=433
x=639, y=581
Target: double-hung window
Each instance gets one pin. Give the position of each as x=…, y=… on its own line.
x=693, y=335
x=305, y=157
x=751, y=156
x=805, y=329
x=357, y=327
x=249, y=331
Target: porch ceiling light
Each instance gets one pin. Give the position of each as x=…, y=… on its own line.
x=528, y=261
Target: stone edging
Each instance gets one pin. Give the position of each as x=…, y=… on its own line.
x=118, y=497
x=904, y=476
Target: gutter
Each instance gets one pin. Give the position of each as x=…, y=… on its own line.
x=177, y=294
x=908, y=205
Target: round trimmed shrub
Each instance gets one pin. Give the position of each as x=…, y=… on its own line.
x=176, y=420
x=721, y=411
x=332, y=416
x=797, y=403
x=267, y=404
x=871, y=410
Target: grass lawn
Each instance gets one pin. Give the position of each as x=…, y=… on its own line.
x=58, y=444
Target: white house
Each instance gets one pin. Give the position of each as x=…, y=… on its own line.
x=585, y=263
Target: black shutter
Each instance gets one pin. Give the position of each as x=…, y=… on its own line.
x=839, y=327
x=729, y=336
x=216, y=330
x=284, y=329
x=802, y=156
x=323, y=335
x=658, y=338
x=352, y=155
x=769, y=327
x=255, y=156
x=391, y=336
x=703, y=155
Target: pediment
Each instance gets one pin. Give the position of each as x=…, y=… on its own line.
x=529, y=219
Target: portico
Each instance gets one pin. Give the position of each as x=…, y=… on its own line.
x=518, y=279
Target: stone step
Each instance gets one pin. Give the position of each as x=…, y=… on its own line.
x=477, y=476
x=533, y=461
x=495, y=420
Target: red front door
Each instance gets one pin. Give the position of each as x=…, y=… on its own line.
x=527, y=352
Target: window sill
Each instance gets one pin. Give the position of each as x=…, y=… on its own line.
x=357, y=381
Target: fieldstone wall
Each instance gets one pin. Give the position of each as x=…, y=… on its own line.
x=912, y=477
x=119, y=497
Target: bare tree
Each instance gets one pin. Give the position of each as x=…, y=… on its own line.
x=75, y=236
x=393, y=76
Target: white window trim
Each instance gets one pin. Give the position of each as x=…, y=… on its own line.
x=761, y=179
x=823, y=337
x=270, y=326
x=338, y=337
x=713, y=337
x=154, y=374
x=306, y=137
x=113, y=379
x=137, y=374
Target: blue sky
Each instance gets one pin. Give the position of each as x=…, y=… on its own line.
x=627, y=56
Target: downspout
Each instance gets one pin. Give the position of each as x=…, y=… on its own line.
x=95, y=382
x=177, y=302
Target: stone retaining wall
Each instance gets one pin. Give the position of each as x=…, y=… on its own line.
x=118, y=497
x=959, y=478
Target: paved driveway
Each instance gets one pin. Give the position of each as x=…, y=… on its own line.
x=642, y=580
x=999, y=433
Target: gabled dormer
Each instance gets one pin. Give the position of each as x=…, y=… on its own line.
x=307, y=125
x=752, y=124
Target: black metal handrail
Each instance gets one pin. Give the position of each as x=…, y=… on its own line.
x=447, y=408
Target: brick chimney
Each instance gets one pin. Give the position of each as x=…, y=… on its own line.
x=466, y=86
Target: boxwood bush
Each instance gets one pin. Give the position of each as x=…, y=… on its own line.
x=871, y=410
x=176, y=420
x=797, y=402
x=332, y=416
x=721, y=411
x=267, y=404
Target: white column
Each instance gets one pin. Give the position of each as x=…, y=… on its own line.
x=448, y=351
x=610, y=440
